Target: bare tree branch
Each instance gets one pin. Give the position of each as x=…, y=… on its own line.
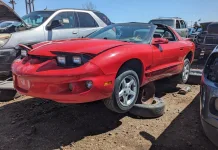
x=89, y=6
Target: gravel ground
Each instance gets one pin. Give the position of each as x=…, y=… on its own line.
x=31, y=123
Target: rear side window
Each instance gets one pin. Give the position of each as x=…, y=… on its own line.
x=177, y=24
x=86, y=20
x=103, y=17
x=183, y=25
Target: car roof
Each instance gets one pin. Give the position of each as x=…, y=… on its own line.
x=69, y=9
x=168, y=18
x=132, y=23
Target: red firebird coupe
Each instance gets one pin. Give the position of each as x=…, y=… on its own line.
x=110, y=64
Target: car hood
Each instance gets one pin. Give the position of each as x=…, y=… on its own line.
x=91, y=46
x=7, y=13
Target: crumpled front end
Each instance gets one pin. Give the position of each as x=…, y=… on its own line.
x=42, y=77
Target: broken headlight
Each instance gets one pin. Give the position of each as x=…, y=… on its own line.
x=4, y=39
x=72, y=60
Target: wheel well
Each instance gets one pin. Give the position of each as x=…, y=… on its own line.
x=189, y=56
x=134, y=64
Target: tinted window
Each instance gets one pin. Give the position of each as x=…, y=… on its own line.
x=67, y=19
x=86, y=20
x=177, y=24
x=183, y=25
x=103, y=17
x=165, y=22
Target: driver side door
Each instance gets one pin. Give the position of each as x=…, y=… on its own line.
x=166, y=57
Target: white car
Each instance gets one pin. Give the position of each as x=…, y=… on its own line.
x=177, y=23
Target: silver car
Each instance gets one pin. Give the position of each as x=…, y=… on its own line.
x=209, y=97
x=177, y=23
x=45, y=25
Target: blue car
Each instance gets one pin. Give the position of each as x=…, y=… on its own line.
x=209, y=97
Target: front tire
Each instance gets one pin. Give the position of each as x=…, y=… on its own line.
x=125, y=92
x=183, y=77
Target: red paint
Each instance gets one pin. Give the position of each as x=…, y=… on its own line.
x=45, y=79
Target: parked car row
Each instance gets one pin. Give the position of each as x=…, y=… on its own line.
x=207, y=40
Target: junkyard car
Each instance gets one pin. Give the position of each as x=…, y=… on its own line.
x=207, y=40
x=5, y=24
x=209, y=97
x=177, y=23
x=193, y=33
x=43, y=26
x=111, y=64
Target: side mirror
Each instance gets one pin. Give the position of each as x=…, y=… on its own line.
x=157, y=41
x=54, y=24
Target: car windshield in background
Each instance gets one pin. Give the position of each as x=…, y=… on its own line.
x=166, y=22
x=36, y=18
x=136, y=33
x=213, y=28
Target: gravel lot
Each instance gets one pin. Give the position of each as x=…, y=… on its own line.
x=31, y=123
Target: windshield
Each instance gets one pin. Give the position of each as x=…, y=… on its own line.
x=165, y=22
x=136, y=33
x=36, y=18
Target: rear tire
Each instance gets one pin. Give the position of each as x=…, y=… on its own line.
x=125, y=92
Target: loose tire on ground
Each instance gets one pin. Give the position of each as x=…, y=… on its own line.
x=118, y=103
x=154, y=110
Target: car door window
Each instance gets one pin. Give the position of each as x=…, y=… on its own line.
x=177, y=24
x=86, y=20
x=183, y=25
x=164, y=33
x=67, y=19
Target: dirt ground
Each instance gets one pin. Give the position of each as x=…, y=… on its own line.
x=31, y=123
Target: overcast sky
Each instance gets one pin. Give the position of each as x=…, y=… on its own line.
x=136, y=10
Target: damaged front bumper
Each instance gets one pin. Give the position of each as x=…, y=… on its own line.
x=7, y=56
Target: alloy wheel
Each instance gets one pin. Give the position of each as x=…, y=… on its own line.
x=128, y=90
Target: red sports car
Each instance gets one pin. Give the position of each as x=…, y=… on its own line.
x=110, y=64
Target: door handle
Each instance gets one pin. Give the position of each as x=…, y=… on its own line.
x=75, y=32
x=182, y=49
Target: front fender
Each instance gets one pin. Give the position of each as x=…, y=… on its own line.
x=111, y=61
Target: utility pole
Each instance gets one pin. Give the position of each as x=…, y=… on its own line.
x=29, y=6
x=12, y=2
